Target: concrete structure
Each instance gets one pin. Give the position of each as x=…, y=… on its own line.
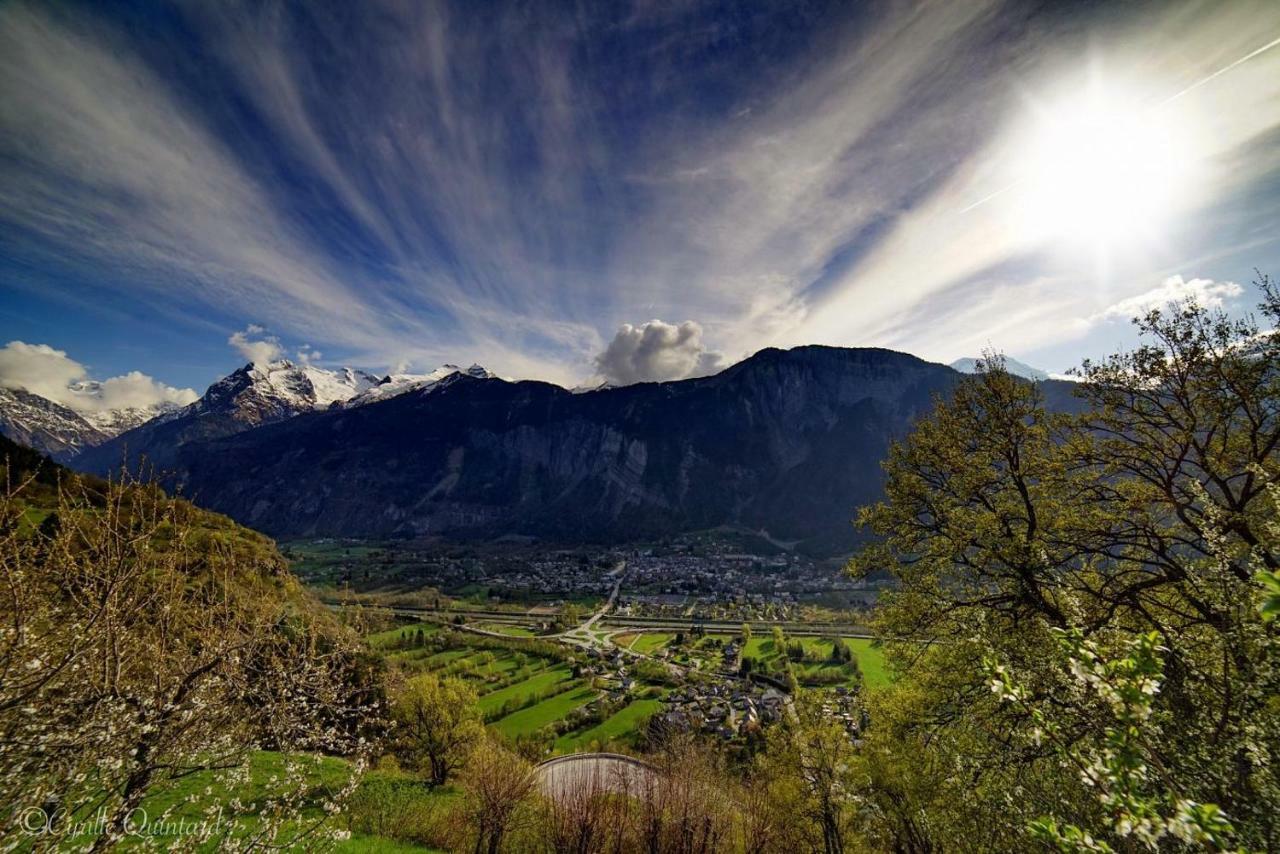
x=581, y=775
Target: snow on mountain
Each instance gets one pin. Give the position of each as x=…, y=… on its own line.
x=265, y=392
x=113, y=422
x=48, y=427
x=583, y=389
x=394, y=385
x=259, y=393
x=62, y=431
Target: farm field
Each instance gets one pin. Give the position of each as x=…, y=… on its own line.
x=650, y=642
x=817, y=670
x=526, y=689
x=391, y=637
x=545, y=712
x=617, y=726
x=507, y=629
x=534, y=685
x=871, y=661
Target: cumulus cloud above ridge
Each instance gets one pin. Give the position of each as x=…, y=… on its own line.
x=657, y=351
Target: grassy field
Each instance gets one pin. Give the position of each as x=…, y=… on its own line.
x=551, y=709
x=535, y=684
x=650, y=642
x=390, y=637
x=871, y=661
x=507, y=629
x=545, y=691
x=761, y=647
x=188, y=797
x=489, y=664
x=436, y=660
x=322, y=562
x=619, y=725
x=495, y=664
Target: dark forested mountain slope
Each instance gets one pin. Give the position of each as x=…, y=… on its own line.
x=786, y=441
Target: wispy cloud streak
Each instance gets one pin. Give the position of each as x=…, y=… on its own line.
x=418, y=182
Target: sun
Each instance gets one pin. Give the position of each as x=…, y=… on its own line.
x=1102, y=171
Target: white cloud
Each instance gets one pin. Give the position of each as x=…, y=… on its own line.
x=137, y=390
x=40, y=369
x=306, y=354
x=1174, y=289
x=259, y=350
x=50, y=373
x=657, y=351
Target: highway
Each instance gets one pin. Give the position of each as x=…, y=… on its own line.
x=671, y=624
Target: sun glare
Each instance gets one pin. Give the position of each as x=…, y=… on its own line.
x=1101, y=171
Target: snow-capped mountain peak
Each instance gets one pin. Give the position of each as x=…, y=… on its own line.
x=61, y=430
x=394, y=385
x=268, y=391
x=49, y=427
x=260, y=392
x=254, y=394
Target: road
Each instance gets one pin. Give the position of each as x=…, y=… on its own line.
x=668, y=624
x=582, y=635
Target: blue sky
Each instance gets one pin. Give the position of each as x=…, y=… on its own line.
x=530, y=186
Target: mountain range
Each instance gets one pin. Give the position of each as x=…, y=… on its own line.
x=62, y=432
x=786, y=442
x=254, y=395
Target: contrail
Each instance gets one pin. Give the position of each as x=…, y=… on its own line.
x=1221, y=71
x=1194, y=86
x=982, y=201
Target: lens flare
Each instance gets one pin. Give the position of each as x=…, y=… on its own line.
x=1101, y=171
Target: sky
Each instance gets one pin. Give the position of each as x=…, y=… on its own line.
x=621, y=191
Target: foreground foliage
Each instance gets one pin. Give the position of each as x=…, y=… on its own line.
x=1107, y=573
x=142, y=641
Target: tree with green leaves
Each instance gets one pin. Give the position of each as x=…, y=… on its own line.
x=817, y=753
x=437, y=724
x=1149, y=512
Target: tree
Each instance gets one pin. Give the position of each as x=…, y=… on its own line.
x=746, y=634
x=817, y=753
x=779, y=641
x=570, y=615
x=437, y=724
x=497, y=785
x=1118, y=760
x=686, y=806
x=1148, y=513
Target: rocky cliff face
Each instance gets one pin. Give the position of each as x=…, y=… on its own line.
x=62, y=431
x=786, y=441
x=48, y=427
